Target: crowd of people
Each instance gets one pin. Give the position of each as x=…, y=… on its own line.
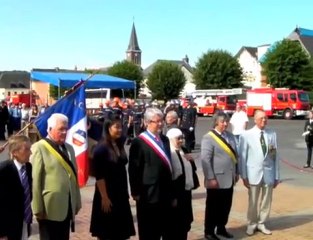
x=14, y=117
x=161, y=170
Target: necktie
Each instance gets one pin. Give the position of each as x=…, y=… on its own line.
x=64, y=150
x=27, y=208
x=225, y=136
x=157, y=139
x=263, y=144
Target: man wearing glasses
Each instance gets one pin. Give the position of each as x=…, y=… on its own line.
x=150, y=175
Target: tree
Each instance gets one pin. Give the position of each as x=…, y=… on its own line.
x=166, y=80
x=217, y=69
x=286, y=64
x=55, y=93
x=127, y=70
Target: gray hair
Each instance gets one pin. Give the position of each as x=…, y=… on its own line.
x=173, y=114
x=152, y=112
x=220, y=115
x=54, y=118
x=257, y=112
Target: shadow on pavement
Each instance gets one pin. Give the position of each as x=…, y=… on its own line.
x=274, y=224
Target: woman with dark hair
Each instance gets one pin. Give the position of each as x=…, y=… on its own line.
x=111, y=216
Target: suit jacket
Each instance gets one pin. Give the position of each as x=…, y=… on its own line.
x=149, y=177
x=52, y=185
x=308, y=127
x=12, y=200
x=254, y=165
x=216, y=163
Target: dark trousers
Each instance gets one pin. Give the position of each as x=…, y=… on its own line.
x=2, y=131
x=189, y=139
x=309, y=146
x=154, y=220
x=53, y=230
x=217, y=208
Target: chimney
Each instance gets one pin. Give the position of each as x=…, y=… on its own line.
x=186, y=59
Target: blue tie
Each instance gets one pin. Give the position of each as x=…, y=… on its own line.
x=27, y=208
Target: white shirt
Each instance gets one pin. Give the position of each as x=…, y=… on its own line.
x=238, y=122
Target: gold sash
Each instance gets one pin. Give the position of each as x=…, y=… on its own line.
x=58, y=157
x=224, y=147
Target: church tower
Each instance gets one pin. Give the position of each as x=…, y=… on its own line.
x=133, y=53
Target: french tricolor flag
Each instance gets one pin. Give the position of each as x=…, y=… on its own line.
x=72, y=105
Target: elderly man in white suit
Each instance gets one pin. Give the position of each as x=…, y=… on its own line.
x=259, y=169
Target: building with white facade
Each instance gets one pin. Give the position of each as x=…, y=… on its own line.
x=185, y=68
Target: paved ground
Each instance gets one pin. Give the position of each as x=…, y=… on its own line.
x=291, y=218
x=292, y=211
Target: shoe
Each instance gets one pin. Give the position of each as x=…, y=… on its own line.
x=306, y=166
x=211, y=236
x=263, y=229
x=224, y=233
x=250, y=230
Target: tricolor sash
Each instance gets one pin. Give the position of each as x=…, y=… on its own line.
x=158, y=149
x=224, y=145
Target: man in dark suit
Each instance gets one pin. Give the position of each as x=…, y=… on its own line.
x=15, y=191
x=308, y=133
x=151, y=178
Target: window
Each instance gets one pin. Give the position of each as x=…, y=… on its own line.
x=303, y=97
x=280, y=97
x=231, y=99
x=293, y=97
x=96, y=94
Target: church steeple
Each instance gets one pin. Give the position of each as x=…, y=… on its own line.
x=133, y=53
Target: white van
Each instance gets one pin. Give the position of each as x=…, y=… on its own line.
x=96, y=97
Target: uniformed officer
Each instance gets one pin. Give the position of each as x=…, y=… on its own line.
x=105, y=111
x=116, y=107
x=127, y=120
x=138, y=119
x=188, y=124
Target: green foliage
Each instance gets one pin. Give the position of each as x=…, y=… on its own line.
x=217, y=69
x=130, y=71
x=95, y=71
x=288, y=65
x=54, y=91
x=166, y=81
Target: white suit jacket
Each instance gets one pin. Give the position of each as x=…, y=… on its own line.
x=253, y=164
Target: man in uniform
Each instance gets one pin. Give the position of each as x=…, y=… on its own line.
x=137, y=120
x=188, y=124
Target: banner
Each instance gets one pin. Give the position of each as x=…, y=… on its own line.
x=73, y=106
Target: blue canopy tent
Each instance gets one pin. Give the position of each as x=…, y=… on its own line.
x=60, y=79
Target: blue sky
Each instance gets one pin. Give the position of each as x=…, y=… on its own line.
x=95, y=33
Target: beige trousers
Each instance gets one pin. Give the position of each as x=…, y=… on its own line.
x=259, y=206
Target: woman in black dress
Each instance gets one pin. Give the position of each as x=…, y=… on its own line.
x=111, y=216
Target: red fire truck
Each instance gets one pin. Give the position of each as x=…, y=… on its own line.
x=210, y=101
x=281, y=102
x=27, y=98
